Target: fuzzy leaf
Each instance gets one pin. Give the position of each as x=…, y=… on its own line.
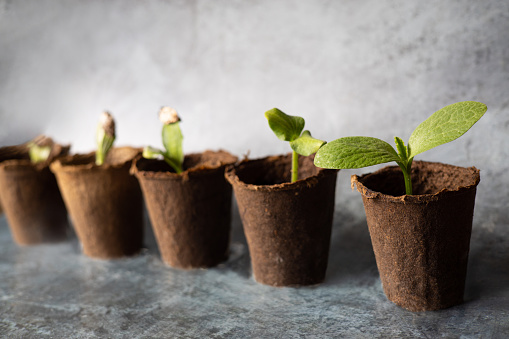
x=172, y=141
x=445, y=125
x=402, y=150
x=286, y=127
x=306, y=145
x=355, y=152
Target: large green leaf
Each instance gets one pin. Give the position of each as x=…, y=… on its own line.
x=172, y=142
x=355, y=152
x=286, y=127
x=305, y=144
x=445, y=125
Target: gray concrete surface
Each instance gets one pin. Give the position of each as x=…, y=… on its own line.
x=53, y=291
x=374, y=68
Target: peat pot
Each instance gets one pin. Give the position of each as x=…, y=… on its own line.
x=421, y=241
x=287, y=225
x=190, y=212
x=30, y=197
x=104, y=202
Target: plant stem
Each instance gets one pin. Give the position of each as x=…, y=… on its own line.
x=408, y=179
x=173, y=164
x=295, y=166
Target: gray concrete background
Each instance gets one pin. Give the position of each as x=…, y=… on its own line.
x=375, y=68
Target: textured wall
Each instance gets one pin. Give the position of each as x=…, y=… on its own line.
x=349, y=67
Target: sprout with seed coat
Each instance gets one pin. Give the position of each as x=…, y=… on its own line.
x=172, y=140
x=105, y=137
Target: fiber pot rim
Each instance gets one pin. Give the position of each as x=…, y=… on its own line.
x=208, y=165
x=68, y=163
x=356, y=182
x=233, y=179
x=58, y=151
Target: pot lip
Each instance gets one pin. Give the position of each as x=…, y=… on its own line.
x=64, y=164
x=310, y=181
x=59, y=152
x=195, y=170
x=417, y=198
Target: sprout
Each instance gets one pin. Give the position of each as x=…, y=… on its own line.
x=39, y=149
x=443, y=126
x=289, y=128
x=172, y=140
x=105, y=137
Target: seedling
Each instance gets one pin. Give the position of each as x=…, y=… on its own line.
x=172, y=140
x=39, y=149
x=289, y=128
x=105, y=137
x=445, y=125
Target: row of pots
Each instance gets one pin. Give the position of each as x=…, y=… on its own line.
x=421, y=242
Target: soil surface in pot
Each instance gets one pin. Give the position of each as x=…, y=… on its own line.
x=194, y=162
x=427, y=178
x=105, y=202
x=191, y=211
x=287, y=225
x=421, y=242
x=30, y=196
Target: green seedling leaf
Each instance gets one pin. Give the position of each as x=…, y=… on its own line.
x=155, y=153
x=355, y=152
x=445, y=125
x=402, y=150
x=152, y=153
x=289, y=128
x=172, y=141
x=38, y=153
x=286, y=127
x=306, y=145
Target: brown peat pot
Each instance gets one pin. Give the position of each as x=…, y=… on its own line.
x=30, y=197
x=421, y=241
x=287, y=225
x=190, y=212
x=104, y=202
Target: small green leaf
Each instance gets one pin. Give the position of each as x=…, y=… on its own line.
x=445, y=125
x=402, y=150
x=286, y=127
x=172, y=141
x=38, y=153
x=306, y=145
x=152, y=153
x=355, y=152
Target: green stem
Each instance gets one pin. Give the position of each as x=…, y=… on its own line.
x=408, y=182
x=405, y=164
x=407, y=170
x=295, y=166
x=173, y=164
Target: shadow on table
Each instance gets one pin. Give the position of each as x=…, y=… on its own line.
x=351, y=254
x=488, y=266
